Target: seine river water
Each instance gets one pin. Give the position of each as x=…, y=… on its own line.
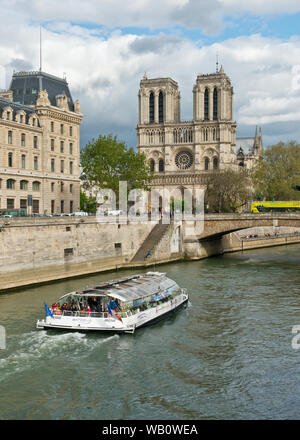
x=227, y=356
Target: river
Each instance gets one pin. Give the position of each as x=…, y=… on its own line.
x=228, y=355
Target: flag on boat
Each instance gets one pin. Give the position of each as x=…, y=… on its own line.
x=111, y=306
x=48, y=311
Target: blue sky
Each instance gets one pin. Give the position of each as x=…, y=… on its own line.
x=105, y=47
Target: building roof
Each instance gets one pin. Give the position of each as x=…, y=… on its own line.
x=132, y=288
x=16, y=107
x=25, y=87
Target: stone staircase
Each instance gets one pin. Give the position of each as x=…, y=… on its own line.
x=151, y=241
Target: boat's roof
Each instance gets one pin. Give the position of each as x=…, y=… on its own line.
x=130, y=288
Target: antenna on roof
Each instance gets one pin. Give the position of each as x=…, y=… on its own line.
x=40, y=48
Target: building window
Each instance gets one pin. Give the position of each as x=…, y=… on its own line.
x=10, y=159
x=160, y=107
x=35, y=162
x=62, y=166
x=152, y=165
x=9, y=137
x=35, y=206
x=206, y=100
x=52, y=206
x=52, y=144
x=36, y=186
x=68, y=252
x=23, y=140
x=24, y=185
x=161, y=165
x=71, y=148
x=215, y=163
x=215, y=104
x=23, y=161
x=151, y=107
x=21, y=119
x=52, y=187
x=61, y=128
x=118, y=245
x=206, y=163
x=71, y=206
x=52, y=127
x=62, y=206
x=10, y=184
x=61, y=186
x=71, y=131
x=10, y=203
x=35, y=142
x=23, y=203
x=61, y=146
x=71, y=187
x=52, y=165
x=71, y=167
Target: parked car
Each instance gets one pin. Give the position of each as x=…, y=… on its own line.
x=115, y=212
x=79, y=213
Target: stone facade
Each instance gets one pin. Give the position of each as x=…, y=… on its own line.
x=39, y=145
x=182, y=153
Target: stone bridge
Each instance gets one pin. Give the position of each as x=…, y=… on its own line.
x=217, y=225
x=211, y=237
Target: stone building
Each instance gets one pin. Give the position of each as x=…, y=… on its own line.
x=182, y=153
x=39, y=145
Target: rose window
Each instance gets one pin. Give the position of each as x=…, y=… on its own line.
x=184, y=160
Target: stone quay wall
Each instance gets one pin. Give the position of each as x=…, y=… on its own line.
x=40, y=249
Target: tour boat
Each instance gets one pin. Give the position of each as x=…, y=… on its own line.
x=119, y=306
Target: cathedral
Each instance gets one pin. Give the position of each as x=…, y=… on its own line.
x=182, y=153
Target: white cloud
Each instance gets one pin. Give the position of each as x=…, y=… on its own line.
x=258, y=7
x=104, y=69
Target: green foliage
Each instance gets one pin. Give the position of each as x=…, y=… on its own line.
x=227, y=191
x=106, y=161
x=87, y=204
x=278, y=173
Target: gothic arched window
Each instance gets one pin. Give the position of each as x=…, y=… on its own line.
x=152, y=165
x=206, y=163
x=206, y=99
x=160, y=107
x=161, y=165
x=215, y=163
x=151, y=107
x=215, y=104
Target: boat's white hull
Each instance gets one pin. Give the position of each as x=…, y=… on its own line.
x=111, y=324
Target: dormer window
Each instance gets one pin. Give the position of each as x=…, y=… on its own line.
x=7, y=114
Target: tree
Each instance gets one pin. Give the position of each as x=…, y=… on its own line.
x=106, y=161
x=227, y=190
x=277, y=174
x=87, y=204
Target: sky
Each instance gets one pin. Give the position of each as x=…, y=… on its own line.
x=104, y=47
